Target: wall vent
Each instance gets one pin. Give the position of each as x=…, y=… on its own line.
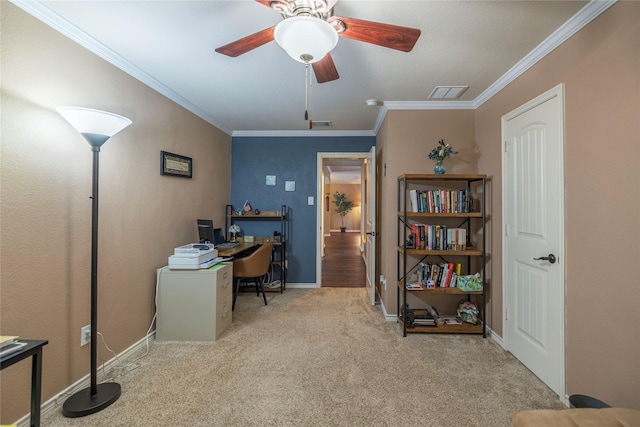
x=322, y=123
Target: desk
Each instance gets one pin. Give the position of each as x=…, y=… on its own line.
x=242, y=247
x=33, y=349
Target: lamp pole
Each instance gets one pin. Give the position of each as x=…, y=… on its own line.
x=94, y=272
x=96, y=127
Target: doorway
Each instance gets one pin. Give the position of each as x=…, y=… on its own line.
x=533, y=238
x=340, y=261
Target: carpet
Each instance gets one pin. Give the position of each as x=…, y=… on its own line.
x=321, y=357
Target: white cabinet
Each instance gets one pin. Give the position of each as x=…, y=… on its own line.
x=194, y=305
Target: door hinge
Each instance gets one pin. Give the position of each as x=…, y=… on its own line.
x=505, y=147
x=506, y=229
x=506, y=313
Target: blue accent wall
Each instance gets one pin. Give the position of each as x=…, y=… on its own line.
x=289, y=159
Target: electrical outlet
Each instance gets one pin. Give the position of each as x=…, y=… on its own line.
x=85, y=335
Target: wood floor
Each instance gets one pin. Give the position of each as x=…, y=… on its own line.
x=342, y=265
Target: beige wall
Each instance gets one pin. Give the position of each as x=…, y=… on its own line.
x=46, y=212
x=600, y=68
x=402, y=145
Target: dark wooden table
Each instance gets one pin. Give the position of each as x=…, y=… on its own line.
x=33, y=349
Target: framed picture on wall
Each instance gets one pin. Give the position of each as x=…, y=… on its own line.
x=175, y=165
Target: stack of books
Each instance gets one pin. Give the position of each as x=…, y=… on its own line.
x=420, y=317
x=10, y=344
x=424, y=321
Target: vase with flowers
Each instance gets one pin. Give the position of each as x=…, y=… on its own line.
x=438, y=154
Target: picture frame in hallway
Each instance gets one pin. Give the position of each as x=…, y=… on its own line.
x=175, y=165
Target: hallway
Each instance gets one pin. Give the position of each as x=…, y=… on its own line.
x=342, y=265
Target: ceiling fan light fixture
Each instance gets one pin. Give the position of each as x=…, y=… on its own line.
x=304, y=37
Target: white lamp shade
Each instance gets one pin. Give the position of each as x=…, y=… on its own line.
x=306, y=35
x=234, y=228
x=96, y=122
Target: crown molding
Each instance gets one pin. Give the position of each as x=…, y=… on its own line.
x=587, y=14
x=58, y=23
x=301, y=133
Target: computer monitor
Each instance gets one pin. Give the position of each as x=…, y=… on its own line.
x=218, y=236
x=205, y=231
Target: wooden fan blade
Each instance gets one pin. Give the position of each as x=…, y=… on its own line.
x=265, y=3
x=325, y=69
x=248, y=43
x=386, y=35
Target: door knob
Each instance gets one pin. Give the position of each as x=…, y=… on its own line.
x=551, y=258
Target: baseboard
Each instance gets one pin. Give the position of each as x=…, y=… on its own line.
x=496, y=338
x=302, y=285
x=388, y=317
x=84, y=382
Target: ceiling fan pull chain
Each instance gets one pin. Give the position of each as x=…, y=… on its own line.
x=310, y=84
x=306, y=85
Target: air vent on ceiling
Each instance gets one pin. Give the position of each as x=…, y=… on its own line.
x=322, y=124
x=447, y=92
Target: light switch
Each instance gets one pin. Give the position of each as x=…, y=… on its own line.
x=271, y=180
x=310, y=200
x=289, y=186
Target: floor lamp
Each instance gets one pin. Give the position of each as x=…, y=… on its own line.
x=96, y=127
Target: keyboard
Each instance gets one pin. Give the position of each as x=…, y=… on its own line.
x=227, y=245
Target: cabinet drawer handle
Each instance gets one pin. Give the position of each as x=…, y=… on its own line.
x=224, y=276
x=225, y=313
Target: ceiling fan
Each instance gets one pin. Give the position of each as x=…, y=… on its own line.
x=310, y=31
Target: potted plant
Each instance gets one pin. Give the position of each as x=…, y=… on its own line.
x=343, y=207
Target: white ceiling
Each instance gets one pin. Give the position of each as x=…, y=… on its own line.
x=170, y=45
x=342, y=170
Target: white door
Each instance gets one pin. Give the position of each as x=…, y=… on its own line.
x=370, y=223
x=533, y=215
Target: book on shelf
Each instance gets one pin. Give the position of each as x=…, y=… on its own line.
x=448, y=273
x=438, y=237
x=414, y=286
x=430, y=275
x=424, y=322
x=440, y=201
x=451, y=319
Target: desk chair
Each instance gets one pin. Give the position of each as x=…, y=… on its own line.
x=253, y=266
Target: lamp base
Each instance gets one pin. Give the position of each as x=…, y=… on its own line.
x=82, y=403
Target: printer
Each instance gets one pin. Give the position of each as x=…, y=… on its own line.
x=194, y=256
